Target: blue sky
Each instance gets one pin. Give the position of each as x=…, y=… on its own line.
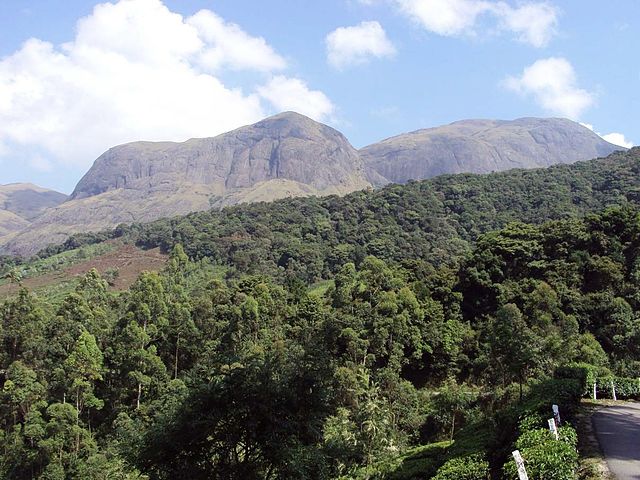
x=78, y=76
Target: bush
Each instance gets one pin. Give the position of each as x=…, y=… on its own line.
x=545, y=457
x=585, y=373
x=472, y=467
x=626, y=388
x=415, y=464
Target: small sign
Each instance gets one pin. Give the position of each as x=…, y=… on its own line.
x=553, y=428
x=556, y=413
x=522, y=472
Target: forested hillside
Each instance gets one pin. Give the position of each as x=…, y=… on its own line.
x=436, y=220
x=188, y=376
x=233, y=363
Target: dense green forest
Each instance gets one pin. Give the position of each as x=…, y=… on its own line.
x=453, y=312
x=435, y=220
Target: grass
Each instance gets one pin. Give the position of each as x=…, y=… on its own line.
x=62, y=260
x=417, y=463
x=53, y=278
x=320, y=288
x=55, y=294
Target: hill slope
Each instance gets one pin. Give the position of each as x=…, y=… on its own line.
x=288, y=155
x=20, y=203
x=482, y=146
x=283, y=156
x=435, y=220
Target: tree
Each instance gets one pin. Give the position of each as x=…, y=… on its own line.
x=513, y=346
x=20, y=392
x=84, y=367
x=451, y=402
x=137, y=366
x=23, y=323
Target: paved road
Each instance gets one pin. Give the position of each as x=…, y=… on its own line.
x=618, y=430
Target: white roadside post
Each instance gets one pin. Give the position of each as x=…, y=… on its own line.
x=556, y=413
x=522, y=472
x=613, y=390
x=595, y=391
x=554, y=428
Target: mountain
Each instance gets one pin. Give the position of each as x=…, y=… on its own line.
x=481, y=146
x=27, y=200
x=285, y=155
x=20, y=203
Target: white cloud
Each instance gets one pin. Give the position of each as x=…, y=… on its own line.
x=618, y=139
x=230, y=46
x=552, y=83
x=445, y=17
x=615, y=138
x=135, y=70
x=355, y=45
x=533, y=22
x=293, y=94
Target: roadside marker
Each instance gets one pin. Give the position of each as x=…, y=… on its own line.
x=522, y=472
x=553, y=428
x=556, y=413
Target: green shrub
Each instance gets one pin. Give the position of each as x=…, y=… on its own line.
x=545, y=457
x=472, y=467
x=626, y=388
x=585, y=373
x=415, y=464
x=421, y=462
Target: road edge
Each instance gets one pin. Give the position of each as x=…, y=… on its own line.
x=593, y=465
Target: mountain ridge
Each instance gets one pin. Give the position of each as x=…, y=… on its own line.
x=481, y=146
x=289, y=155
x=21, y=203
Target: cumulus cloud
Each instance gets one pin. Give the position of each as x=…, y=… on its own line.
x=294, y=94
x=444, y=17
x=618, y=139
x=533, y=22
x=355, y=45
x=135, y=70
x=615, y=138
x=230, y=46
x=553, y=84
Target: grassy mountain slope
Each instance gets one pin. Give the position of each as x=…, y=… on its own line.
x=21, y=203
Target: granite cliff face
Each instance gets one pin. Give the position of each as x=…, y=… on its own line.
x=481, y=146
x=288, y=146
x=281, y=156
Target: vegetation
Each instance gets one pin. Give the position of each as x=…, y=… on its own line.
x=335, y=338
x=436, y=220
